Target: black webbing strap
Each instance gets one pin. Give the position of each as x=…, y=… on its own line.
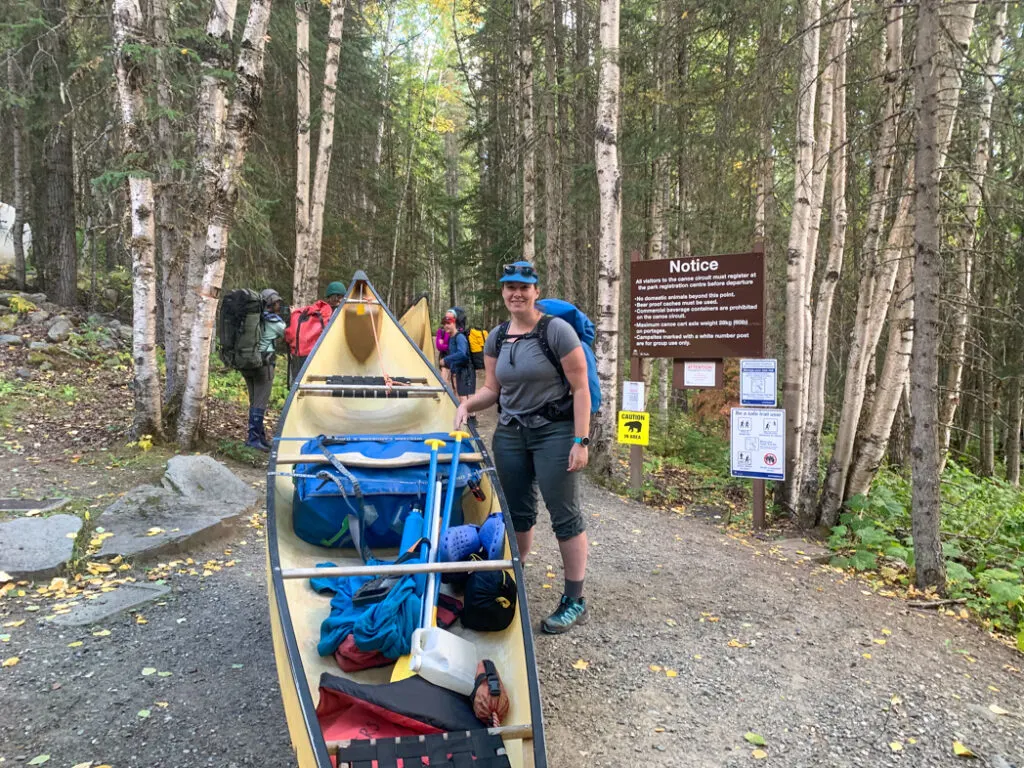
x=461, y=749
x=360, y=510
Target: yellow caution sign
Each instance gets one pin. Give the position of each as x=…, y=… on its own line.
x=634, y=427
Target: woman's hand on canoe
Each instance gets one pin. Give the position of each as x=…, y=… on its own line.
x=461, y=415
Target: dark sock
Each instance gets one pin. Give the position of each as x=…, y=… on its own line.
x=574, y=589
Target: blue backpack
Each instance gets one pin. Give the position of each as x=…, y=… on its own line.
x=584, y=328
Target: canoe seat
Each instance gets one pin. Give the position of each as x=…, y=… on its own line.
x=370, y=386
x=480, y=749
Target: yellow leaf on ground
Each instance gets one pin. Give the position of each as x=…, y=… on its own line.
x=654, y=668
x=895, y=746
x=154, y=531
x=659, y=730
x=17, y=623
x=163, y=704
x=697, y=656
x=878, y=640
x=550, y=575
x=759, y=754
x=83, y=765
x=866, y=655
x=886, y=632
x=581, y=664
x=736, y=644
x=671, y=673
x=101, y=633
x=672, y=622
x=545, y=586
x=140, y=620
x=75, y=644
x=911, y=740
x=147, y=671
x=995, y=709
x=961, y=751
x=11, y=661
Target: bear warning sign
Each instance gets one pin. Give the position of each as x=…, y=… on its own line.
x=634, y=427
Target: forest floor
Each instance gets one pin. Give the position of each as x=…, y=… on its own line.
x=701, y=639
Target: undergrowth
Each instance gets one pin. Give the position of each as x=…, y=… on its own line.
x=982, y=528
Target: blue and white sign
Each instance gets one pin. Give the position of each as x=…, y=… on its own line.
x=758, y=443
x=759, y=383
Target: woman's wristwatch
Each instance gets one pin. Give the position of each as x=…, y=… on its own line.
x=584, y=441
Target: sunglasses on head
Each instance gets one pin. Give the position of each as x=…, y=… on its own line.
x=527, y=271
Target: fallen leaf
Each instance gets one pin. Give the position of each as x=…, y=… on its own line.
x=887, y=632
x=10, y=662
x=163, y=704
x=5, y=577
x=866, y=655
x=734, y=643
x=17, y=623
x=39, y=760
x=545, y=586
x=75, y=644
x=581, y=664
x=754, y=738
x=154, y=531
x=83, y=765
x=101, y=633
x=995, y=709
x=672, y=622
x=961, y=751
x=878, y=640
x=759, y=754
x=911, y=740
x=140, y=620
x=671, y=673
x=164, y=674
x=697, y=656
x=237, y=666
x=654, y=668
x=550, y=575
x=659, y=730
x=144, y=713
x=895, y=746
x=5, y=638
x=147, y=671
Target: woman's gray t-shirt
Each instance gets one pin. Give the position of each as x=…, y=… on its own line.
x=528, y=379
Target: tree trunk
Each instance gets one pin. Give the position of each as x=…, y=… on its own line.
x=989, y=407
x=877, y=276
x=18, y=169
x=797, y=264
x=237, y=131
x=526, y=125
x=552, y=159
x=609, y=182
x=826, y=290
x=1013, y=430
x=969, y=234
x=131, y=95
x=324, y=151
x=300, y=279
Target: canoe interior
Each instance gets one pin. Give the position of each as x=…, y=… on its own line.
x=416, y=322
x=363, y=340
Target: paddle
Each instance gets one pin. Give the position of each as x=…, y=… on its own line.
x=403, y=667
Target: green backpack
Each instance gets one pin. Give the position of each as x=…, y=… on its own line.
x=240, y=328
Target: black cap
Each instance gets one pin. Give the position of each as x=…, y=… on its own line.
x=489, y=604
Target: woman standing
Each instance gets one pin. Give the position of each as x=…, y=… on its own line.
x=543, y=428
x=260, y=381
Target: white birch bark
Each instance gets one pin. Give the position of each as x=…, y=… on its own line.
x=17, y=160
x=128, y=32
x=237, y=131
x=300, y=278
x=796, y=255
x=1013, y=431
x=526, y=123
x=324, y=148
x=609, y=183
x=815, y=397
x=969, y=234
x=552, y=160
x=877, y=276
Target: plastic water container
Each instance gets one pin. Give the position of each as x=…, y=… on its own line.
x=444, y=659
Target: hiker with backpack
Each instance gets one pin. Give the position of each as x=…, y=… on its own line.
x=538, y=371
x=306, y=324
x=458, y=359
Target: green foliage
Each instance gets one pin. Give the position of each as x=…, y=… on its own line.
x=678, y=438
x=983, y=528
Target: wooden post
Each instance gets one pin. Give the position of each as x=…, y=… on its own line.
x=757, y=487
x=636, y=452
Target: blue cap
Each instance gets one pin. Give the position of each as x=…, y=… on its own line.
x=519, y=272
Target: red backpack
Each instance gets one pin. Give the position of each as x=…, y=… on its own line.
x=305, y=326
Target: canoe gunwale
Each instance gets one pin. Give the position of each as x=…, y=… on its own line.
x=535, y=754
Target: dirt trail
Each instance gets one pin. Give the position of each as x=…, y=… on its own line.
x=695, y=639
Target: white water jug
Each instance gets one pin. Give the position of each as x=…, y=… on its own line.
x=444, y=659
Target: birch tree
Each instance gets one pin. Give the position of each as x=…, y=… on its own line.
x=302, y=152
x=969, y=232
x=236, y=131
x=526, y=125
x=609, y=182
x=18, y=169
x=131, y=92
x=797, y=263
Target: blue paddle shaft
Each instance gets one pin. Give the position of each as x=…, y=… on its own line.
x=449, y=499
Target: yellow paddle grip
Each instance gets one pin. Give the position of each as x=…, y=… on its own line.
x=435, y=443
x=460, y=436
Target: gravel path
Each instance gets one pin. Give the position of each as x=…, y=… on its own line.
x=740, y=641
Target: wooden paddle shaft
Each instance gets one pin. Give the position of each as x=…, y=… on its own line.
x=396, y=570
x=506, y=732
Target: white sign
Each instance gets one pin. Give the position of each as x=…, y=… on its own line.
x=758, y=382
x=699, y=375
x=633, y=395
x=758, y=443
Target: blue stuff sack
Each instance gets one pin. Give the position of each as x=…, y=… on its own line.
x=327, y=503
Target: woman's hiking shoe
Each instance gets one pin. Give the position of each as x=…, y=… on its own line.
x=568, y=613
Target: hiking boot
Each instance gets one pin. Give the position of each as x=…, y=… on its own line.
x=568, y=613
x=255, y=430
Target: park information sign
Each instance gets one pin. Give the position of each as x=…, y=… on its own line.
x=758, y=443
x=634, y=427
x=699, y=308
x=759, y=382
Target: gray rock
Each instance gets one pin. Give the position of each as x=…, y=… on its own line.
x=8, y=339
x=46, y=365
x=801, y=549
x=107, y=344
x=125, y=332
x=110, y=295
x=109, y=604
x=59, y=331
x=203, y=478
x=149, y=521
x=38, y=317
x=24, y=373
x=113, y=323
x=39, y=346
x=7, y=322
x=37, y=298
x=37, y=547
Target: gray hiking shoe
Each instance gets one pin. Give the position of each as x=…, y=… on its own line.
x=569, y=613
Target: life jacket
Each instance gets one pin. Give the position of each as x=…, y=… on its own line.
x=240, y=328
x=305, y=326
x=584, y=328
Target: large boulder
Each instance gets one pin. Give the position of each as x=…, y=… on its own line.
x=59, y=331
x=8, y=321
x=38, y=317
x=204, y=478
x=37, y=547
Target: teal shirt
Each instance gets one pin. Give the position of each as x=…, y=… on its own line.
x=273, y=329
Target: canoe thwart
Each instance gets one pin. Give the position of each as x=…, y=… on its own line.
x=369, y=390
x=486, y=744
x=467, y=566
x=396, y=462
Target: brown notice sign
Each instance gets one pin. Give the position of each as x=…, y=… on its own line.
x=699, y=308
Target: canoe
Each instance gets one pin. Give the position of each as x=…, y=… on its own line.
x=416, y=322
x=364, y=343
